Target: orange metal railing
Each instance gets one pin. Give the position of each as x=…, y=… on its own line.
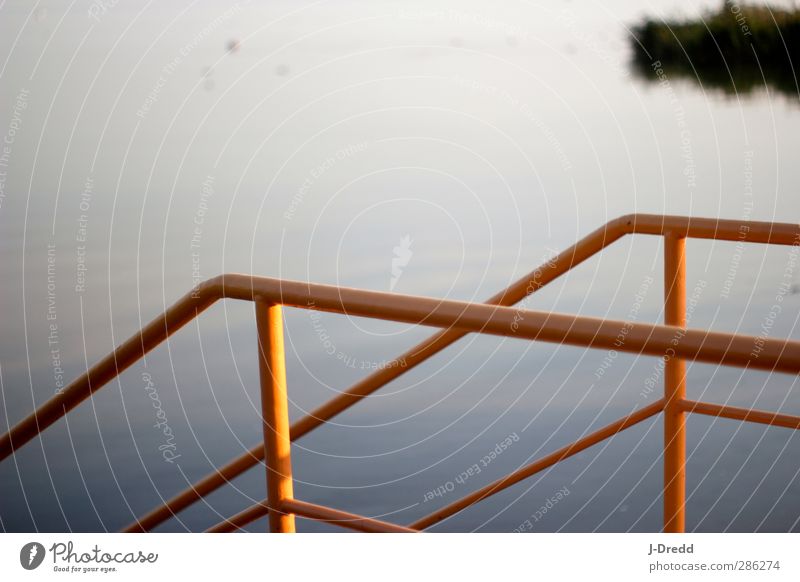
x=671, y=341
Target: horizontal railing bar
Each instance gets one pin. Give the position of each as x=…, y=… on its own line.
x=342, y=518
x=652, y=339
x=539, y=465
x=311, y=511
x=241, y=519
x=754, y=232
x=775, y=233
x=743, y=414
x=530, y=283
x=199, y=299
x=776, y=355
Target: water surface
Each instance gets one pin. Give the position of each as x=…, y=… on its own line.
x=154, y=146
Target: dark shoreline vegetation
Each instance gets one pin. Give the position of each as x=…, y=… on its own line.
x=738, y=48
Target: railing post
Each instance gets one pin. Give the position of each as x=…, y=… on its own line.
x=275, y=412
x=674, y=388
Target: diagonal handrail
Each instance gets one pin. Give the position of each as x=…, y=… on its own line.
x=540, y=465
x=533, y=281
x=259, y=510
x=458, y=318
x=588, y=246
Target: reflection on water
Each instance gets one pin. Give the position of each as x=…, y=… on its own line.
x=735, y=48
x=741, y=79
x=440, y=150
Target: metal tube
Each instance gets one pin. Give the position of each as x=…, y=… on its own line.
x=241, y=519
x=772, y=354
x=208, y=292
x=530, y=283
x=753, y=232
x=772, y=233
x=198, y=490
x=523, y=287
x=127, y=354
x=540, y=465
x=311, y=511
x=275, y=411
x=674, y=387
x=343, y=518
x=743, y=414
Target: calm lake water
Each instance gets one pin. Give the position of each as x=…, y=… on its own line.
x=149, y=146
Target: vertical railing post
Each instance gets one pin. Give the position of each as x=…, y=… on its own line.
x=674, y=387
x=275, y=412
